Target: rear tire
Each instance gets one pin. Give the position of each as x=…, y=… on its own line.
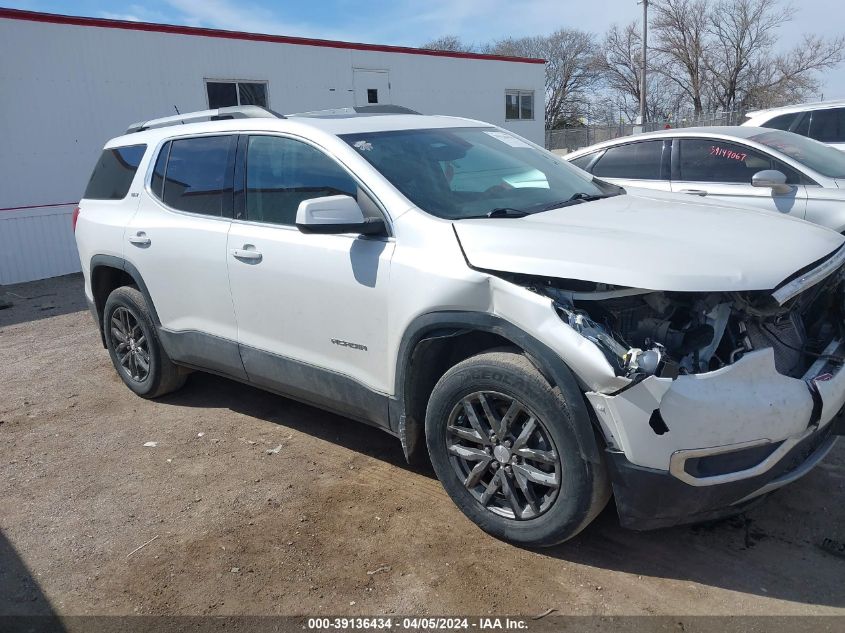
x=502, y=442
x=134, y=346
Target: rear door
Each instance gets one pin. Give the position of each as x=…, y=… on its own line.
x=177, y=241
x=638, y=164
x=721, y=170
x=107, y=206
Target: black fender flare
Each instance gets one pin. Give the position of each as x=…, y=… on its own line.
x=111, y=261
x=444, y=323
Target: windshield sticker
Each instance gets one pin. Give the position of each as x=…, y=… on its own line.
x=507, y=138
x=363, y=146
x=723, y=152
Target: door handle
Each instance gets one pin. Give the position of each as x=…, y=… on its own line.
x=248, y=255
x=694, y=192
x=140, y=239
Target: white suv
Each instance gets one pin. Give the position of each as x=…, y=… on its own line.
x=544, y=337
x=823, y=121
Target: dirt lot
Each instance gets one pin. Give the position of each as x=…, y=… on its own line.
x=332, y=523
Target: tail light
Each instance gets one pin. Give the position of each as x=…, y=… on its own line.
x=74, y=218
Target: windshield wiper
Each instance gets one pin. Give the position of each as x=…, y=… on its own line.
x=500, y=212
x=575, y=198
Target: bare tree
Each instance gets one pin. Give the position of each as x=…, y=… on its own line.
x=680, y=29
x=571, y=71
x=742, y=62
x=449, y=43
x=620, y=66
x=722, y=53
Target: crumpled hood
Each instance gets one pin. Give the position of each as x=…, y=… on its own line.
x=652, y=240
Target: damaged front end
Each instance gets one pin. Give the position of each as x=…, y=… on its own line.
x=726, y=396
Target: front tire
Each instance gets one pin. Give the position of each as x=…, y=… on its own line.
x=502, y=443
x=134, y=347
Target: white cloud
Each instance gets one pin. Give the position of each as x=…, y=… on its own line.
x=136, y=13
x=402, y=22
x=231, y=16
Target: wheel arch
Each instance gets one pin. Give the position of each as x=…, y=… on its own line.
x=109, y=272
x=436, y=341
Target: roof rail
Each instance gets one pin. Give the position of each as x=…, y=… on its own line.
x=218, y=114
x=362, y=110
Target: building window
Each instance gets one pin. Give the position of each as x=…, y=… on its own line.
x=222, y=94
x=519, y=104
x=372, y=95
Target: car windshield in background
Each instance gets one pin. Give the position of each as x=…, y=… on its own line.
x=819, y=157
x=460, y=173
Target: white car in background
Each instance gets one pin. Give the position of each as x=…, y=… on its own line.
x=739, y=166
x=823, y=121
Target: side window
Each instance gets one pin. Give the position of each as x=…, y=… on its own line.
x=198, y=174
x=637, y=161
x=828, y=126
x=782, y=122
x=714, y=160
x=114, y=172
x=157, y=181
x=583, y=161
x=802, y=125
x=282, y=172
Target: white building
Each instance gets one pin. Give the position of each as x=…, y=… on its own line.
x=71, y=83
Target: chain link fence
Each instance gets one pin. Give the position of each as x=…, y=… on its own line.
x=569, y=139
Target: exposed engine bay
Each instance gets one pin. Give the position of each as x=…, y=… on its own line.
x=667, y=334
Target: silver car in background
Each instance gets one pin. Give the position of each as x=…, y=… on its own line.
x=741, y=166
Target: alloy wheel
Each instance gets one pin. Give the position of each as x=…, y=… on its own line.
x=504, y=455
x=130, y=344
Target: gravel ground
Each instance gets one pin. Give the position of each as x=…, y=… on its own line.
x=254, y=504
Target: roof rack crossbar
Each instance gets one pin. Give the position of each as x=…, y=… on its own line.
x=233, y=112
x=356, y=110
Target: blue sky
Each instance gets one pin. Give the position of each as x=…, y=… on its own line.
x=412, y=22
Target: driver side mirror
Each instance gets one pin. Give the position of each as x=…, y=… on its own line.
x=771, y=178
x=336, y=215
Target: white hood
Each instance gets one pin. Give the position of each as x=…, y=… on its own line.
x=650, y=240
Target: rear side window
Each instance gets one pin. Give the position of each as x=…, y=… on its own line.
x=114, y=172
x=195, y=174
x=583, y=161
x=828, y=126
x=637, y=161
x=157, y=183
x=782, y=122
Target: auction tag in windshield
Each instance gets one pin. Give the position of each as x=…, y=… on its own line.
x=507, y=138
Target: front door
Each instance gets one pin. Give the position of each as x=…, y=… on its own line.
x=311, y=309
x=372, y=87
x=721, y=171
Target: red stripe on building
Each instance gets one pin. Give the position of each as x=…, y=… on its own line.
x=52, y=18
x=40, y=206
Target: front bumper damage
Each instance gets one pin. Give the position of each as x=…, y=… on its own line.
x=710, y=431
x=706, y=445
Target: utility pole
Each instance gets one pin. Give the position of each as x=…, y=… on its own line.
x=644, y=69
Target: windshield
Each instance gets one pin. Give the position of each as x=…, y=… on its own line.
x=819, y=157
x=459, y=173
